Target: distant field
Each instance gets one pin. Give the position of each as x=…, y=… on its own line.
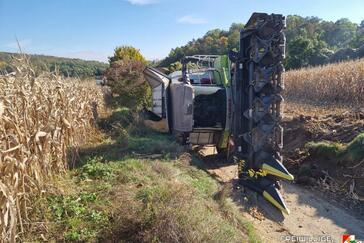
x=334, y=84
x=68, y=67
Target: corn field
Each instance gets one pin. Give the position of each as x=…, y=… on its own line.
x=43, y=119
x=333, y=84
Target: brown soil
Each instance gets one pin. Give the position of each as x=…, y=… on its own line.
x=343, y=179
x=312, y=214
x=321, y=204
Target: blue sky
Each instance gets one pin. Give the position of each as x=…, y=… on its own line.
x=91, y=29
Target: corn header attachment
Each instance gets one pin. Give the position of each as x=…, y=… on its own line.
x=256, y=87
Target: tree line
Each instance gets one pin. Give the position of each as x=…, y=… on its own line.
x=311, y=41
x=68, y=67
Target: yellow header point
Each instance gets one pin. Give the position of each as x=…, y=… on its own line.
x=267, y=196
x=273, y=171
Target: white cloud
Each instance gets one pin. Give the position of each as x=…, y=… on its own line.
x=142, y=2
x=190, y=19
x=22, y=43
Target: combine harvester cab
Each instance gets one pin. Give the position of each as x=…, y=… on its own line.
x=194, y=101
x=235, y=101
x=172, y=102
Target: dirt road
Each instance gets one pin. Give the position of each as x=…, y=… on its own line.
x=311, y=214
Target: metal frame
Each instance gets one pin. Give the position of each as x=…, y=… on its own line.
x=257, y=85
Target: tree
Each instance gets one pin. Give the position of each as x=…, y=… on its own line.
x=234, y=36
x=294, y=26
x=343, y=54
x=127, y=53
x=69, y=67
x=310, y=41
x=340, y=33
x=176, y=66
x=299, y=53
x=358, y=41
x=125, y=77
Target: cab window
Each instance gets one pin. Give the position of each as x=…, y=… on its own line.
x=203, y=78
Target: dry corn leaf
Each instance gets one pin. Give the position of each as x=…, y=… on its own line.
x=67, y=123
x=33, y=144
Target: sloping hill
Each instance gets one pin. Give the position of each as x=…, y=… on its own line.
x=311, y=41
x=67, y=66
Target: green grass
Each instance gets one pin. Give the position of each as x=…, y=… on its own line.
x=77, y=215
x=120, y=197
x=325, y=148
x=355, y=149
x=346, y=153
x=153, y=143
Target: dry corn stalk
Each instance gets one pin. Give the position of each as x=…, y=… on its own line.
x=41, y=119
x=333, y=84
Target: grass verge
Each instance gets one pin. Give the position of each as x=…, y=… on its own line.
x=344, y=153
x=117, y=194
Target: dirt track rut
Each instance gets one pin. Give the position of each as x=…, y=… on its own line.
x=312, y=215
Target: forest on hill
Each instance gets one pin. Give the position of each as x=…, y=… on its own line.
x=68, y=67
x=311, y=41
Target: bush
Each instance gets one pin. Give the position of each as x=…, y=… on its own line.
x=125, y=78
x=94, y=169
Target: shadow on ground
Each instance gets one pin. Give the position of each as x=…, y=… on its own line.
x=311, y=213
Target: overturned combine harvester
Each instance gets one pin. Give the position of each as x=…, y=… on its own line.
x=234, y=103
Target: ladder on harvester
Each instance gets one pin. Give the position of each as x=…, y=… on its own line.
x=257, y=84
